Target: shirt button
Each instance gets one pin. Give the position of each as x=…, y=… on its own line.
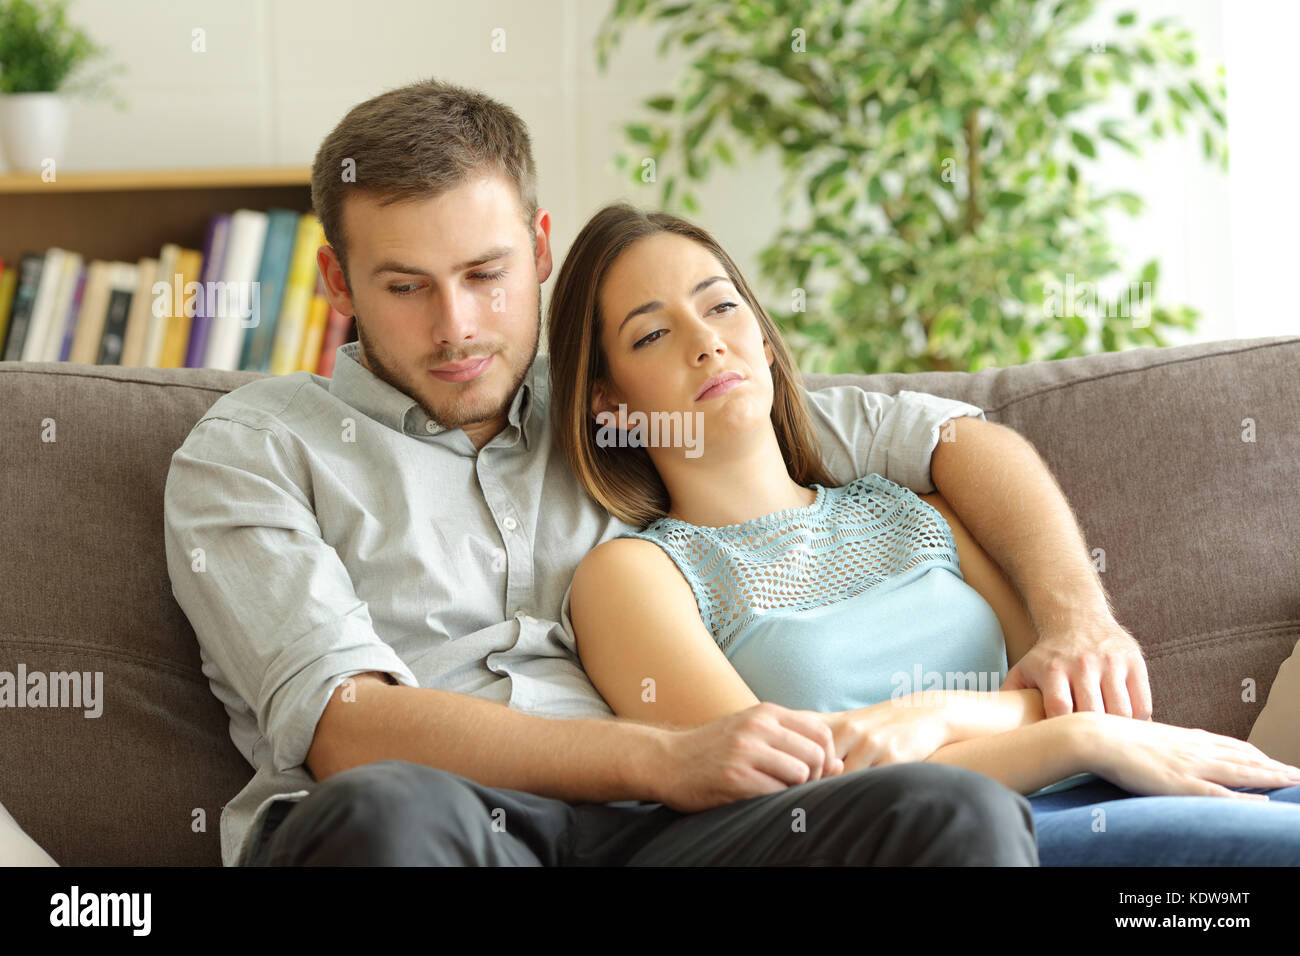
x=430, y=426
x=509, y=523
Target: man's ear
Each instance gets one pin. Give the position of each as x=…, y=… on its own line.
x=336, y=286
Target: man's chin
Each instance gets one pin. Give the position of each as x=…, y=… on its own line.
x=470, y=407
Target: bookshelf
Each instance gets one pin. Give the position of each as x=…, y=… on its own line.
x=127, y=215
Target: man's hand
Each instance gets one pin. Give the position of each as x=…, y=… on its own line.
x=762, y=749
x=1087, y=667
x=899, y=730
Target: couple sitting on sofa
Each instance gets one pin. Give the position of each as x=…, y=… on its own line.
x=374, y=563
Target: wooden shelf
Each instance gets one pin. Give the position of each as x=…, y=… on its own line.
x=126, y=215
x=157, y=179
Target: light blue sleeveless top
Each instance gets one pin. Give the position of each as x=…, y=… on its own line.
x=852, y=600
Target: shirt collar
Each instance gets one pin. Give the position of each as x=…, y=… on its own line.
x=359, y=387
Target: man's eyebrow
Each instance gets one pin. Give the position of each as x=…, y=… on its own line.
x=392, y=265
x=652, y=306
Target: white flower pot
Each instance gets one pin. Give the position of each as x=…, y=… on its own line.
x=33, y=128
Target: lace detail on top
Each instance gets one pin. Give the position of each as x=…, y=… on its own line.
x=848, y=540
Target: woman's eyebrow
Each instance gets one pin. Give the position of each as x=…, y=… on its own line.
x=656, y=304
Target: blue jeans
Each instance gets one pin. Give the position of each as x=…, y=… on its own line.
x=1100, y=824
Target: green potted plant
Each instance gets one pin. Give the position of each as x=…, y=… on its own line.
x=42, y=59
x=941, y=156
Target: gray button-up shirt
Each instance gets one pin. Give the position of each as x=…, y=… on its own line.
x=318, y=528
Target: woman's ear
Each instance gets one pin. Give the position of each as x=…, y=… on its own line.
x=767, y=350
x=600, y=399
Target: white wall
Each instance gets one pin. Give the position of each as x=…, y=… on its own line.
x=278, y=74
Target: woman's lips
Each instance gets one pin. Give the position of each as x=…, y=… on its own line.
x=720, y=389
x=463, y=374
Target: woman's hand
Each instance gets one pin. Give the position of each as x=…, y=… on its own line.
x=901, y=730
x=1151, y=758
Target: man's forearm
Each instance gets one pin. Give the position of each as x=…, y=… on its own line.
x=577, y=760
x=1004, y=493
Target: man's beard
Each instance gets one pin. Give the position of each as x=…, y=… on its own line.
x=460, y=411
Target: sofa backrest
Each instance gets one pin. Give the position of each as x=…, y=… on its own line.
x=1199, y=530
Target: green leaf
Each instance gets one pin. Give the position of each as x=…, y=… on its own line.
x=638, y=133
x=1083, y=144
x=1143, y=101
x=661, y=104
x=1126, y=18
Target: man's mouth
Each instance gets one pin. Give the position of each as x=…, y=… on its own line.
x=461, y=371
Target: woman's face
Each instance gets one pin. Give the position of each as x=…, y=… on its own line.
x=672, y=321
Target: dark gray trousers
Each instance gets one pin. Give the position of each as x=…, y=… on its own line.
x=396, y=813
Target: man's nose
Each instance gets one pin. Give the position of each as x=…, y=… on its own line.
x=456, y=319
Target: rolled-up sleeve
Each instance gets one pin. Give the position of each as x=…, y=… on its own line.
x=891, y=435
x=275, y=612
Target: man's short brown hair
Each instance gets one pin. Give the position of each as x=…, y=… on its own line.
x=418, y=142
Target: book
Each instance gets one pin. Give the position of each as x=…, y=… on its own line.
x=315, y=332
x=292, y=325
x=8, y=286
x=188, y=269
x=42, y=317
x=214, y=256
x=239, y=299
x=74, y=310
x=272, y=275
x=29, y=277
x=58, y=322
x=94, y=310
x=156, y=341
x=338, y=328
x=122, y=278
x=137, y=323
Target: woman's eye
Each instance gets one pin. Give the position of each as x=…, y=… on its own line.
x=402, y=289
x=649, y=338
x=488, y=275
x=725, y=305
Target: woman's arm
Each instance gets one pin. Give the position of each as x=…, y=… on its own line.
x=983, y=574
x=642, y=642
x=1025, y=759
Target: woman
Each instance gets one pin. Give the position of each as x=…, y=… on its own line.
x=757, y=577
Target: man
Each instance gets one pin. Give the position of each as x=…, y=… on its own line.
x=375, y=563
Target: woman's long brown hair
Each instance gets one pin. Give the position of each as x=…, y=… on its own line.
x=623, y=480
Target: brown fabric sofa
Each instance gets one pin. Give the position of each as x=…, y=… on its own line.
x=1200, y=531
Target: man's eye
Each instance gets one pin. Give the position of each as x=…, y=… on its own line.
x=649, y=338
x=488, y=275
x=402, y=289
